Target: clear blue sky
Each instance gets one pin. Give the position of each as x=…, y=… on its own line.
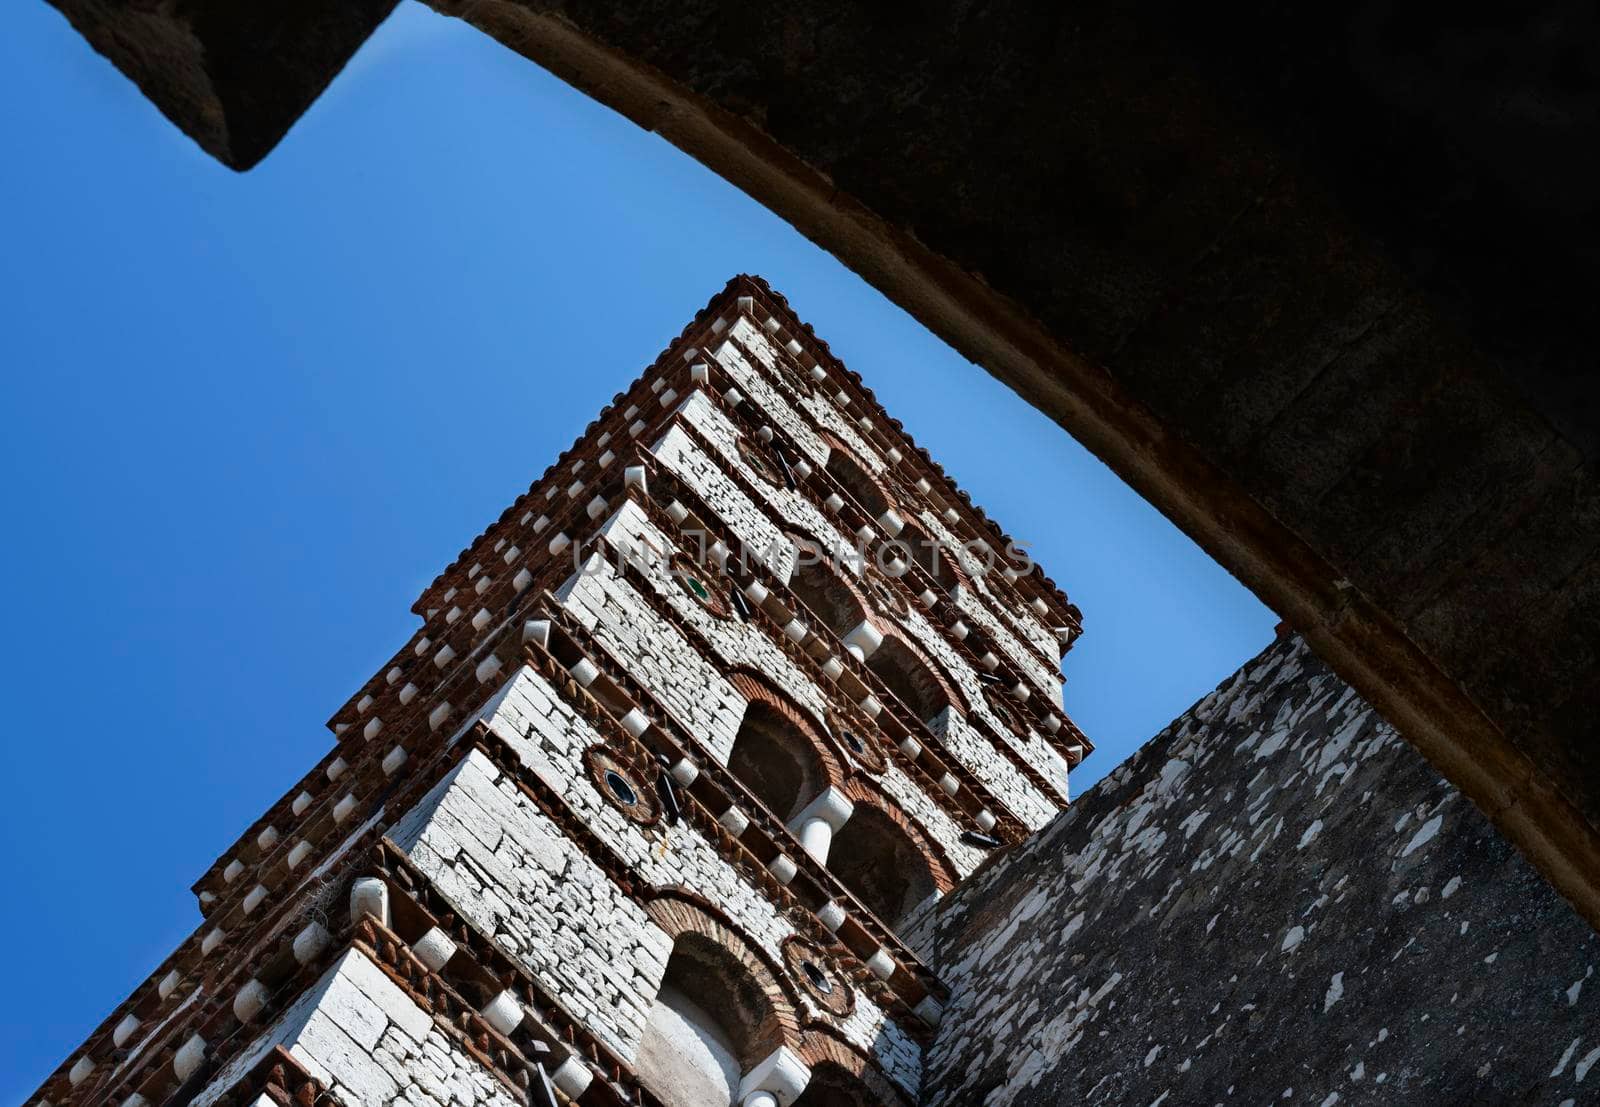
x=249, y=417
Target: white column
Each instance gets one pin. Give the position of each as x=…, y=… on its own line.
x=823, y=817
x=863, y=640
x=776, y=1081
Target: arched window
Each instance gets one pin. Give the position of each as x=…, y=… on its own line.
x=909, y=679
x=857, y=483
x=832, y=1086
x=827, y=597
x=881, y=863
x=935, y=559
x=774, y=760
x=710, y=1022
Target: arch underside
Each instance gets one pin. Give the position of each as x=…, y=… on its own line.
x=1375, y=421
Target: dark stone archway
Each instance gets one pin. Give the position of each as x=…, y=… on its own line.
x=1314, y=279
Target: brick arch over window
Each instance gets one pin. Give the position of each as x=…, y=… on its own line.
x=684, y=915
x=843, y=1076
x=781, y=753
x=855, y=477
x=935, y=558
x=866, y=796
x=830, y=595
x=912, y=676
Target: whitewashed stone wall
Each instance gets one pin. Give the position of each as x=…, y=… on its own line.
x=510, y=871
x=656, y=654
x=364, y=1038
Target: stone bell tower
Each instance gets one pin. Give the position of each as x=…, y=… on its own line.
x=686, y=743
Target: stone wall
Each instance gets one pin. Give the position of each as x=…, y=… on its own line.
x=1276, y=900
x=517, y=876
x=371, y=1045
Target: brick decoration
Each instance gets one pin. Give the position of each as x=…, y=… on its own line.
x=680, y=912
x=755, y=688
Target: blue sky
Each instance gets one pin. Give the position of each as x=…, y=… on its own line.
x=249, y=417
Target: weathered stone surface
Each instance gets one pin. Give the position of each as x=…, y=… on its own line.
x=1276, y=900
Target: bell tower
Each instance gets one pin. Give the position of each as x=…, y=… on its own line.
x=649, y=808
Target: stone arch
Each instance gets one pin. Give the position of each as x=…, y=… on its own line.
x=843, y=1076
x=913, y=678
x=933, y=557
x=721, y=1007
x=850, y=473
x=781, y=753
x=829, y=596
x=887, y=835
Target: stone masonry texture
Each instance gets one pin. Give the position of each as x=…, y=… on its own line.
x=1275, y=901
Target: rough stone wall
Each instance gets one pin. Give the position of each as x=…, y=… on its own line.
x=516, y=875
x=372, y=1046
x=759, y=521
x=1276, y=900
x=657, y=655
x=783, y=404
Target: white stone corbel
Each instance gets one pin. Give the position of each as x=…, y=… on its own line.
x=911, y=747
x=487, y=669
x=893, y=455
x=408, y=693
x=504, y=1012
x=363, y=703
x=950, y=784
x=438, y=715
x=249, y=1000
x=634, y=477
x=372, y=729
x=881, y=964
x=959, y=630
x=572, y=1077
x=596, y=507
x=483, y=584
x=818, y=374
x=253, y=898
x=821, y=819
x=267, y=838
x=336, y=768
x=863, y=640
x=559, y=543
x=929, y=1010
x=393, y=760
x=310, y=942
x=124, y=1030
x=452, y=615
x=684, y=772
x=985, y=820
x=169, y=983
x=870, y=706
x=833, y=668
x=833, y=503
x=756, y=592
x=583, y=671
x=521, y=581
x=796, y=630
x=776, y=1081
x=298, y=853
x=231, y=873
x=831, y=916
x=481, y=619
x=445, y=655
x=80, y=1070
x=783, y=868
x=734, y=821
x=369, y=896
x=301, y=802
x=434, y=949
x=1052, y=723
x=537, y=631
x=186, y=1062
x=344, y=808
x=212, y=940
